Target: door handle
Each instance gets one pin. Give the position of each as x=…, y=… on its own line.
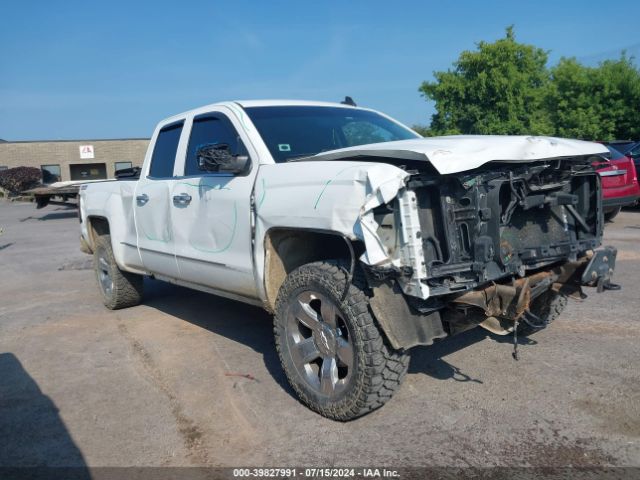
x=142, y=199
x=182, y=199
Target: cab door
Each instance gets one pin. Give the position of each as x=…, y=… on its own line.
x=211, y=212
x=153, y=204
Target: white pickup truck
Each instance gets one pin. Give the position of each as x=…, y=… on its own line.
x=363, y=238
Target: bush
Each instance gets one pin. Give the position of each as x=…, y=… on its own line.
x=19, y=179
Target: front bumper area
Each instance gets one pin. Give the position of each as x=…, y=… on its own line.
x=505, y=304
x=600, y=268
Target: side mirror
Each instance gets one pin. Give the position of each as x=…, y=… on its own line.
x=217, y=157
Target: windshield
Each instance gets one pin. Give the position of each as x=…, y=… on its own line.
x=300, y=131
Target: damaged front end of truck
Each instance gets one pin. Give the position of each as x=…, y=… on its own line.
x=485, y=246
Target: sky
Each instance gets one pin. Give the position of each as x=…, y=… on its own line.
x=113, y=69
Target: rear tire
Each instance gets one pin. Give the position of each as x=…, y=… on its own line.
x=334, y=355
x=609, y=215
x=119, y=289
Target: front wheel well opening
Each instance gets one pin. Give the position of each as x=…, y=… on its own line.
x=288, y=249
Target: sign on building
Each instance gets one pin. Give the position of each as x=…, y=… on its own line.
x=86, y=151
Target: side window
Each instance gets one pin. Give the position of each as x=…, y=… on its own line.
x=164, y=152
x=207, y=129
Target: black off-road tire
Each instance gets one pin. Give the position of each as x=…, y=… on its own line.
x=609, y=215
x=377, y=370
x=126, y=287
x=546, y=307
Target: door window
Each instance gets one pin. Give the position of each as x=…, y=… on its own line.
x=209, y=129
x=164, y=152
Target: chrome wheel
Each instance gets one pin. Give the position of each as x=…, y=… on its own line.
x=320, y=344
x=104, y=274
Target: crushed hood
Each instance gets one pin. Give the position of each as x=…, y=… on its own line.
x=458, y=153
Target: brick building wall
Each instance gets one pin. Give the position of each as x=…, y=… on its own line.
x=65, y=154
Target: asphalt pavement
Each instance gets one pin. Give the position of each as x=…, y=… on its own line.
x=188, y=378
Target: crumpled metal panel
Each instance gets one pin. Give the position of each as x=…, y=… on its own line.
x=459, y=153
x=331, y=196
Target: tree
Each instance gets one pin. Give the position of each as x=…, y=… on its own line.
x=620, y=83
x=573, y=102
x=497, y=89
x=16, y=180
x=423, y=130
x=599, y=103
x=504, y=87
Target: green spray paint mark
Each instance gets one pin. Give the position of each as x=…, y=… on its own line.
x=315, y=205
x=239, y=113
x=165, y=239
x=153, y=239
x=264, y=194
x=230, y=242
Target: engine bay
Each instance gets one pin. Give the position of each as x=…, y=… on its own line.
x=500, y=220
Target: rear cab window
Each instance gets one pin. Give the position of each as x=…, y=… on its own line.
x=164, y=151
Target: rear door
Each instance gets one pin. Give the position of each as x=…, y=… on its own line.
x=211, y=212
x=153, y=203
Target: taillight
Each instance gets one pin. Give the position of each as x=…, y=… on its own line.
x=634, y=170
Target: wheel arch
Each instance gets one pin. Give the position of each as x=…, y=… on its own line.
x=289, y=248
x=97, y=226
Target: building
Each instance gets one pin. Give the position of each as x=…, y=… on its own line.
x=62, y=160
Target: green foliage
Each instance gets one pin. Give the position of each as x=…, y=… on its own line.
x=19, y=179
x=504, y=87
x=596, y=102
x=497, y=89
x=423, y=130
x=575, y=109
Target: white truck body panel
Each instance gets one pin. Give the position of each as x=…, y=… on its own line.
x=332, y=196
x=217, y=242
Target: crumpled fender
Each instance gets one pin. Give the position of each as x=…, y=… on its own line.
x=331, y=196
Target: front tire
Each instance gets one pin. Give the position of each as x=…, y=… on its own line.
x=119, y=289
x=332, y=351
x=547, y=307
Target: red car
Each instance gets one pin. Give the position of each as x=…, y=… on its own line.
x=619, y=183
